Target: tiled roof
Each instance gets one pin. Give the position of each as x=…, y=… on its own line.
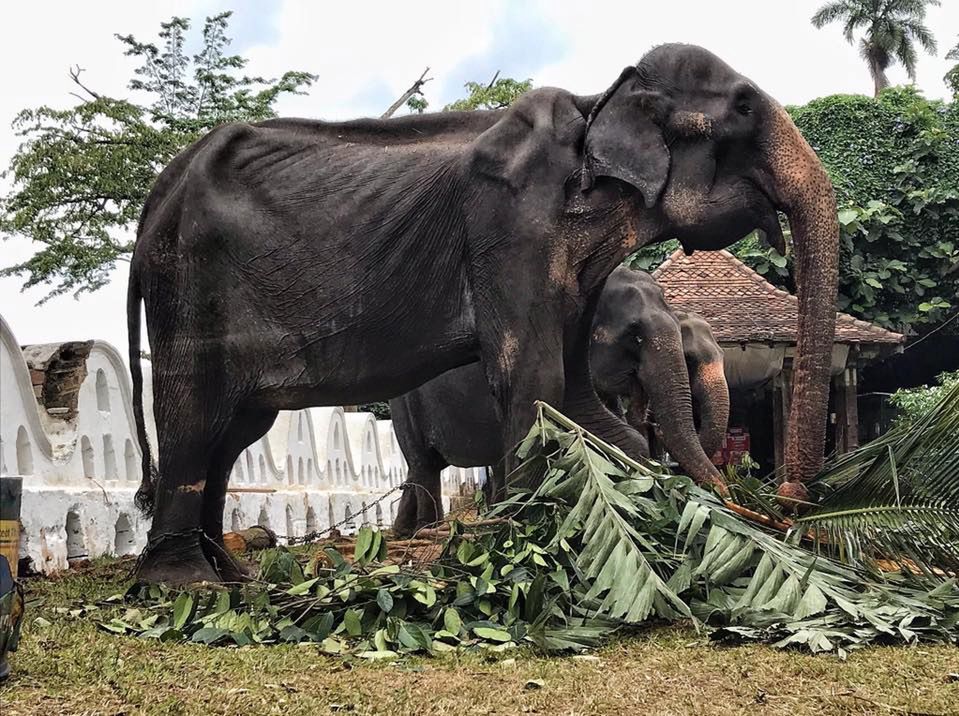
x=741, y=306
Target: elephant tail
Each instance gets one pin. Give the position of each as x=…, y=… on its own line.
x=145, y=493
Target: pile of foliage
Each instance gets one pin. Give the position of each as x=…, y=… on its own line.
x=600, y=543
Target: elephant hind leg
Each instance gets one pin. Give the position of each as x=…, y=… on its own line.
x=421, y=503
x=247, y=427
x=192, y=416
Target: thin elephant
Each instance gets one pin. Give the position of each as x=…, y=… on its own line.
x=637, y=351
x=293, y=263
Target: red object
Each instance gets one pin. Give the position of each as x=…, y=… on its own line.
x=735, y=445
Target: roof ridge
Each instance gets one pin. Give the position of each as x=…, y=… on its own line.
x=741, y=303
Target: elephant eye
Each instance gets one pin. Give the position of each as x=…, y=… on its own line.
x=743, y=108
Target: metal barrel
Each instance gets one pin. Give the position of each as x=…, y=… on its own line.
x=11, y=492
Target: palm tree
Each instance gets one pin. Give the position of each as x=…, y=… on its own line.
x=891, y=29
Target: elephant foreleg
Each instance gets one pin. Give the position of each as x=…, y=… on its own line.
x=245, y=429
x=421, y=504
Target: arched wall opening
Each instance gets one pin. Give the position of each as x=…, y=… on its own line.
x=103, y=392
x=109, y=459
x=86, y=453
x=123, y=540
x=263, y=519
x=76, y=543
x=24, y=452
x=130, y=461
x=311, y=525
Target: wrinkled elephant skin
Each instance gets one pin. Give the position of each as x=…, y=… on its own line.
x=293, y=263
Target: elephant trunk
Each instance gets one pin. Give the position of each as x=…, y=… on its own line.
x=803, y=189
x=711, y=399
x=666, y=382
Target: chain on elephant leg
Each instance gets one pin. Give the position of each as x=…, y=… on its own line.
x=175, y=558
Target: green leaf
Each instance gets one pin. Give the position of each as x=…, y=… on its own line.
x=364, y=541
x=452, y=621
x=385, y=600
x=353, y=622
x=302, y=587
x=848, y=216
x=489, y=634
x=182, y=610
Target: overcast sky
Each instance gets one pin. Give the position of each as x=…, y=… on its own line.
x=366, y=53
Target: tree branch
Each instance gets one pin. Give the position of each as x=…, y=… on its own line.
x=415, y=88
x=75, y=76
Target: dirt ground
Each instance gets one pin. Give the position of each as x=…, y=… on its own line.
x=66, y=666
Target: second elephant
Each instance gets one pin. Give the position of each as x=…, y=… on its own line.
x=707, y=380
x=641, y=349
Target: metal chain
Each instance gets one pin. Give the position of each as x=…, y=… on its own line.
x=318, y=534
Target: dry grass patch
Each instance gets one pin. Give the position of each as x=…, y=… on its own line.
x=70, y=667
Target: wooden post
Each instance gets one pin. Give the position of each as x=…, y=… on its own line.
x=850, y=402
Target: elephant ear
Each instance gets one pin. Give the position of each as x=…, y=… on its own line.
x=623, y=140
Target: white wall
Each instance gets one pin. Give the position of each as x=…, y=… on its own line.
x=314, y=468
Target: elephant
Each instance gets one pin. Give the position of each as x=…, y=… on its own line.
x=638, y=350
x=708, y=387
x=291, y=263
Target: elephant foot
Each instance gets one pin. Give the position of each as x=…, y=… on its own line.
x=227, y=566
x=415, y=512
x=175, y=560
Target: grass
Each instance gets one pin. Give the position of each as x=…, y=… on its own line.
x=70, y=667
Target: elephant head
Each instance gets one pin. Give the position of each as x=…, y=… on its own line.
x=715, y=157
x=707, y=380
x=638, y=351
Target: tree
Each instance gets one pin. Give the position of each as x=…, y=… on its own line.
x=952, y=76
x=499, y=93
x=81, y=175
x=891, y=29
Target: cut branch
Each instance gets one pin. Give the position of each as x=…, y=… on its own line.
x=415, y=89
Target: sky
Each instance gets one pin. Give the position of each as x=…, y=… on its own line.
x=367, y=53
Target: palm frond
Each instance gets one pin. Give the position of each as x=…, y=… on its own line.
x=917, y=31
x=613, y=556
x=644, y=543
x=832, y=11
x=897, y=498
x=953, y=54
